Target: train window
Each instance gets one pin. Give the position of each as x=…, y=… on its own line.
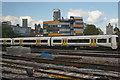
x=102, y=40
x=56, y=41
x=16, y=41
x=79, y=41
x=8, y=41
x=1, y=40
x=109, y=40
x=30, y=41
x=84, y=40
x=73, y=41
x=44, y=41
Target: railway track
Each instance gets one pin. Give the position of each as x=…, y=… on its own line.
x=23, y=68
x=74, y=51
x=42, y=69
x=84, y=50
x=53, y=66
x=61, y=71
x=91, y=54
x=65, y=63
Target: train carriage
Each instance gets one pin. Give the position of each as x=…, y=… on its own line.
x=5, y=41
x=70, y=41
x=36, y=41
x=90, y=41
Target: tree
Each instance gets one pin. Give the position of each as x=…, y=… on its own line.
x=7, y=32
x=91, y=30
x=100, y=31
x=41, y=30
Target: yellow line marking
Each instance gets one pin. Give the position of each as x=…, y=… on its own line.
x=64, y=77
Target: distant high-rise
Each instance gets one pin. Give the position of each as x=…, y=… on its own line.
x=56, y=14
x=24, y=23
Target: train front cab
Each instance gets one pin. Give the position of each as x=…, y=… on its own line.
x=118, y=42
x=107, y=42
x=115, y=42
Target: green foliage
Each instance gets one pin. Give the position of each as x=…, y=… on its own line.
x=41, y=30
x=7, y=32
x=91, y=30
x=100, y=31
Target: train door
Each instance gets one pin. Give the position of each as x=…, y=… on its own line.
x=21, y=42
x=93, y=42
x=37, y=42
x=4, y=42
x=64, y=42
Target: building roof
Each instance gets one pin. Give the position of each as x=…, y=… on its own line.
x=116, y=29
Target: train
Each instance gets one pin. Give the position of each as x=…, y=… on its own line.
x=110, y=41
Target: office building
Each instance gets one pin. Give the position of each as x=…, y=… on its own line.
x=25, y=31
x=63, y=27
x=72, y=26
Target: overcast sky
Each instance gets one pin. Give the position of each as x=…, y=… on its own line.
x=98, y=13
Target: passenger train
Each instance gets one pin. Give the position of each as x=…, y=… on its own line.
x=110, y=41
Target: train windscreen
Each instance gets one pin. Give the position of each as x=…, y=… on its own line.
x=117, y=39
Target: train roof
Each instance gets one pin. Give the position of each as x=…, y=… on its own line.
x=62, y=36
x=88, y=36
x=33, y=37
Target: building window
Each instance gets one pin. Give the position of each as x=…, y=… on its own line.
x=59, y=25
x=102, y=40
x=78, y=23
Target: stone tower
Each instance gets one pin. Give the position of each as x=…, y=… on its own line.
x=109, y=29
